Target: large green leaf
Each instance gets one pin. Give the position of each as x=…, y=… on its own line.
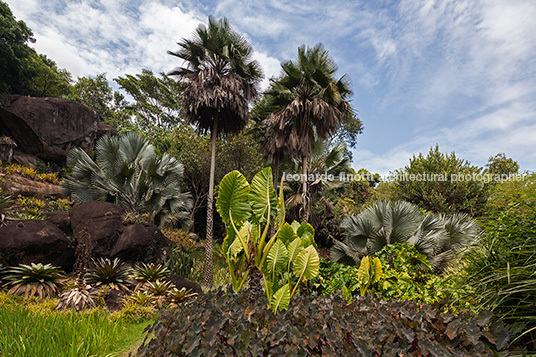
x=262, y=196
x=280, y=217
x=241, y=241
x=281, y=298
x=306, y=231
x=286, y=234
x=307, y=264
x=277, y=258
x=233, y=198
x=294, y=248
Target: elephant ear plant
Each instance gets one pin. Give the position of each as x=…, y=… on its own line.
x=284, y=259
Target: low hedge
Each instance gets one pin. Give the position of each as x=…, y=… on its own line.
x=226, y=324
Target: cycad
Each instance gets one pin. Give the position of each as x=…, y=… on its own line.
x=128, y=172
x=384, y=223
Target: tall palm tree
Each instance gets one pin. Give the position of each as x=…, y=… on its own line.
x=308, y=102
x=220, y=79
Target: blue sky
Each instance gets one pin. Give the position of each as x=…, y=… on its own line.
x=457, y=73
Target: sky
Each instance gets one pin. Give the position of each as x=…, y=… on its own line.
x=458, y=73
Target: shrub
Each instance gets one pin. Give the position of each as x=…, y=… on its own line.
x=179, y=237
x=226, y=324
x=77, y=298
x=182, y=262
x=114, y=274
x=35, y=280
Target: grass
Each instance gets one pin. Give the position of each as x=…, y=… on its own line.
x=32, y=328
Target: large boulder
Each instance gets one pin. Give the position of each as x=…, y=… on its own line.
x=48, y=127
x=141, y=243
x=102, y=221
x=179, y=282
x=34, y=241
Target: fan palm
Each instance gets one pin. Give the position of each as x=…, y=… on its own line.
x=308, y=102
x=128, y=172
x=384, y=223
x=220, y=81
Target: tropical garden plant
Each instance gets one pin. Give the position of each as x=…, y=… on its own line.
x=144, y=273
x=113, y=273
x=35, y=280
x=306, y=102
x=219, y=79
x=438, y=237
x=77, y=298
x=284, y=259
x=128, y=172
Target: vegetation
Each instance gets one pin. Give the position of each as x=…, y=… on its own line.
x=128, y=172
x=442, y=183
x=224, y=323
x=114, y=274
x=219, y=80
x=438, y=237
x=306, y=102
x=145, y=273
x=35, y=280
x=285, y=259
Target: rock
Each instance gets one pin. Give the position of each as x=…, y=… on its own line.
x=113, y=299
x=141, y=243
x=62, y=220
x=102, y=220
x=181, y=282
x=48, y=127
x=7, y=148
x=27, y=160
x=34, y=241
x=24, y=186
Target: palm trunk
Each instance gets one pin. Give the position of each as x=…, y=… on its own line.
x=276, y=172
x=207, y=279
x=305, y=194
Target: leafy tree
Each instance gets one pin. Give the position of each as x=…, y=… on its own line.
x=238, y=152
x=14, y=52
x=156, y=100
x=305, y=102
x=442, y=182
x=128, y=172
x=501, y=165
x=219, y=79
x=384, y=223
x=47, y=79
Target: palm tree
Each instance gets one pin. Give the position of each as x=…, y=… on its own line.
x=438, y=237
x=220, y=81
x=308, y=103
x=128, y=172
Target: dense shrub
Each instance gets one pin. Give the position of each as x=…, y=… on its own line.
x=225, y=324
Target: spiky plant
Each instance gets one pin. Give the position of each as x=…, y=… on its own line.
x=78, y=298
x=35, y=280
x=177, y=297
x=159, y=289
x=143, y=298
x=144, y=273
x=114, y=274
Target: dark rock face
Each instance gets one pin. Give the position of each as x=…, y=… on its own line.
x=181, y=282
x=102, y=220
x=34, y=241
x=48, y=127
x=113, y=300
x=62, y=220
x=141, y=243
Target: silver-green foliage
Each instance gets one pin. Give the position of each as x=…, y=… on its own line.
x=127, y=171
x=384, y=223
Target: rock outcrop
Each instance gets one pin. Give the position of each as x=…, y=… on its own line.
x=48, y=127
x=35, y=241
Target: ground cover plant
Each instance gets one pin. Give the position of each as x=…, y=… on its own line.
x=32, y=327
x=227, y=323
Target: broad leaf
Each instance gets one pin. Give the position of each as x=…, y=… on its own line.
x=306, y=264
x=295, y=225
x=233, y=198
x=286, y=234
x=306, y=230
x=262, y=196
x=280, y=217
x=241, y=241
x=277, y=257
x=294, y=248
x=280, y=299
